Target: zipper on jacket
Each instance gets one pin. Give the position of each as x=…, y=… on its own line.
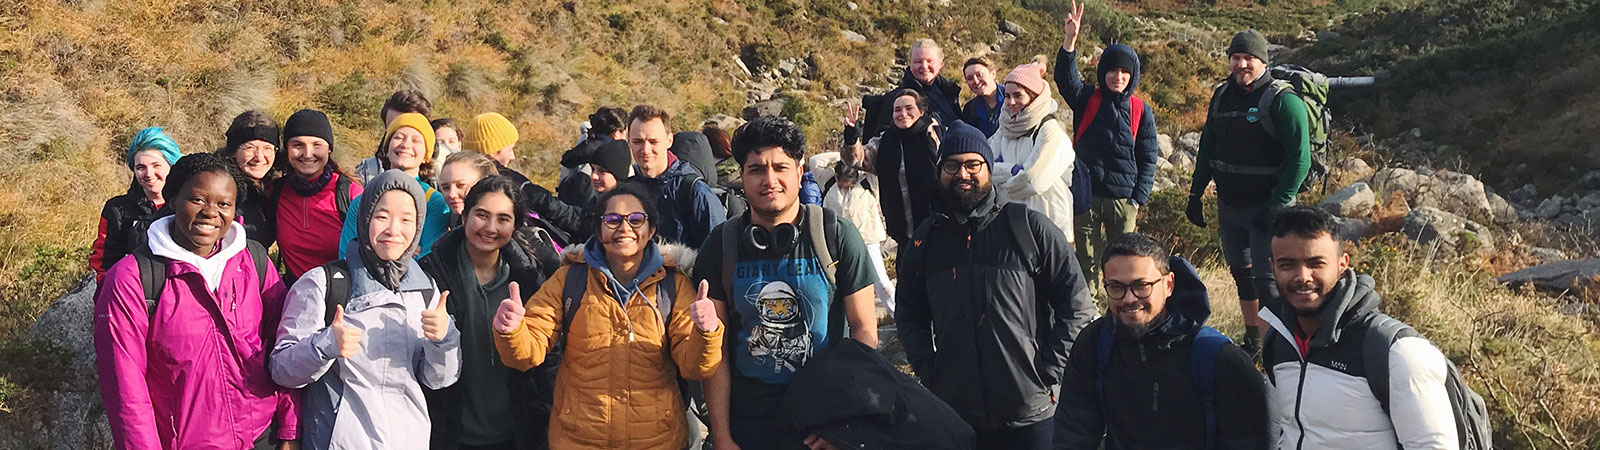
x=1299, y=396
x=1155, y=397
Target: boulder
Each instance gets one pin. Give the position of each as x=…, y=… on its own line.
x=1354, y=229
x=1574, y=276
x=1590, y=181
x=1355, y=200
x=1011, y=28
x=1503, y=211
x=851, y=6
x=786, y=68
x=1523, y=194
x=1550, y=208
x=765, y=108
x=1164, y=142
x=1546, y=255
x=1428, y=224
x=1459, y=193
x=1189, y=142
x=852, y=36
x=1389, y=180
x=1354, y=167
x=1182, y=161
x=70, y=415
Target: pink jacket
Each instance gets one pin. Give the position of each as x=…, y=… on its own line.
x=310, y=226
x=174, y=380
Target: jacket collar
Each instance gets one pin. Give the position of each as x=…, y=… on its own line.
x=652, y=263
x=1352, y=301
x=941, y=85
x=988, y=208
x=452, y=253
x=211, y=267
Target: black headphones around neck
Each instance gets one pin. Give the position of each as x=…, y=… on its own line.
x=780, y=240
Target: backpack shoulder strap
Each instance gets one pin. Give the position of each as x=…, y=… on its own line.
x=1102, y=356
x=341, y=195
x=1136, y=115
x=730, y=252
x=577, y=283
x=822, y=229
x=1203, y=374
x=1269, y=98
x=666, y=295
x=1017, y=217
x=1216, y=97
x=152, y=275
x=1381, y=333
x=258, y=256
x=1089, y=112
x=336, y=285
x=686, y=192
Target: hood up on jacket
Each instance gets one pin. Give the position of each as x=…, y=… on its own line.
x=1125, y=51
x=692, y=147
x=1189, y=306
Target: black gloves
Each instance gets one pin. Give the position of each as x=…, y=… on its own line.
x=1194, y=211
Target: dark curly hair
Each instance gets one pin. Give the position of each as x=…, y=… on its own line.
x=630, y=188
x=606, y=121
x=496, y=184
x=1309, y=222
x=1136, y=244
x=191, y=166
x=767, y=132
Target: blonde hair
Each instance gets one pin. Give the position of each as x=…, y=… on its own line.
x=475, y=160
x=925, y=43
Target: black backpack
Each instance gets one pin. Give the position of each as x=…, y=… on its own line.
x=336, y=289
x=1473, y=429
x=153, y=272
x=732, y=198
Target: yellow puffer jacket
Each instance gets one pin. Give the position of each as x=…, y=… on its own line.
x=616, y=387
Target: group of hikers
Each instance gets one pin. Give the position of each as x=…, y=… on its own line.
x=702, y=288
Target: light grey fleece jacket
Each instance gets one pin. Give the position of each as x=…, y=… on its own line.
x=374, y=399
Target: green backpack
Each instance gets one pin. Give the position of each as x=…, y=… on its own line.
x=1312, y=88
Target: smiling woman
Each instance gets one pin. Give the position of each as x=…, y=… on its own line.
x=253, y=147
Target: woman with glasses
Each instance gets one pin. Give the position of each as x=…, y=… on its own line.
x=633, y=325
x=1033, y=154
x=253, y=146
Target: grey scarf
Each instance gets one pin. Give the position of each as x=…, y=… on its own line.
x=387, y=273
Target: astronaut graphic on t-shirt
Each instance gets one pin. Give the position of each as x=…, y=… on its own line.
x=782, y=333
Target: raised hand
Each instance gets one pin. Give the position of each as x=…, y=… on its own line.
x=1070, y=26
x=436, y=321
x=346, y=337
x=933, y=133
x=852, y=114
x=510, y=313
x=702, y=311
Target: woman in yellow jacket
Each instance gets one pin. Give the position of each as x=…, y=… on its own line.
x=617, y=383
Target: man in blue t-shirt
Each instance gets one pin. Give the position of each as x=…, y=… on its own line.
x=790, y=280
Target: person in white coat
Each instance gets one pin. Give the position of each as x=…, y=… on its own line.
x=363, y=366
x=846, y=196
x=1033, y=154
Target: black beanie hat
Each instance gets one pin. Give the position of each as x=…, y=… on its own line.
x=1123, y=60
x=613, y=157
x=239, y=133
x=963, y=138
x=308, y=122
x=1250, y=42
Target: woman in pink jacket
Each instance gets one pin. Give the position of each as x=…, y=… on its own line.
x=182, y=361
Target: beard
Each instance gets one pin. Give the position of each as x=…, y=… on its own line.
x=965, y=199
x=1134, y=331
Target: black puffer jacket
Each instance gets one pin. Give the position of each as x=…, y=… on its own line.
x=1150, y=399
x=906, y=204
x=122, y=224
x=531, y=391
x=1003, y=321
x=851, y=397
x=1119, y=165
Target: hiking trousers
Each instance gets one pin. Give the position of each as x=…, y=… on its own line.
x=1107, y=218
x=1245, y=246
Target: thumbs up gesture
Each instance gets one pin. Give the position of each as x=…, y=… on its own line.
x=346, y=337
x=436, y=321
x=702, y=311
x=510, y=313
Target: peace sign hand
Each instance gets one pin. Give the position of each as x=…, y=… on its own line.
x=1070, y=27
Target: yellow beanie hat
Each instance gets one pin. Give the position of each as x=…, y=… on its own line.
x=417, y=122
x=488, y=133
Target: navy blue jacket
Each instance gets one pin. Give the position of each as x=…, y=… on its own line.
x=1117, y=166
x=684, y=221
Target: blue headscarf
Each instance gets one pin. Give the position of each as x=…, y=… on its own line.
x=154, y=139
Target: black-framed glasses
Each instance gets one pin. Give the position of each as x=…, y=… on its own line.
x=1140, y=289
x=634, y=220
x=954, y=167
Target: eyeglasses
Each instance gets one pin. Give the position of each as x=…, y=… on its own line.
x=1140, y=289
x=614, y=221
x=954, y=167
x=253, y=150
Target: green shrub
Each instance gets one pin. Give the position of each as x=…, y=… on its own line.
x=1163, y=218
x=352, y=101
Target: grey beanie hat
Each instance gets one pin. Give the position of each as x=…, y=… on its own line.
x=1250, y=42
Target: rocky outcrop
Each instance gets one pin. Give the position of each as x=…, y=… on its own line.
x=70, y=416
x=1572, y=276
x=1355, y=200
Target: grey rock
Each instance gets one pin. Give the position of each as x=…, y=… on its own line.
x=1573, y=276
x=1503, y=211
x=765, y=108
x=1590, y=180
x=1276, y=49
x=1387, y=181
x=1354, y=229
x=1461, y=194
x=1164, y=142
x=1189, y=141
x=1589, y=202
x=1355, y=166
x=1182, y=161
x=1550, y=208
x=1355, y=200
x=851, y=6
x=1546, y=255
x=1011, y=28
x=1428, y=224
x=737, y=61
x=1328, y=36
x=1522, y=194
x=71, y=415
x=1162, y=164
x=852, y=36
x=786, y=68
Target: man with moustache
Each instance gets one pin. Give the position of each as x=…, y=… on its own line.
x=790, y=280
x=1135, y=378
x=990, y=302
x=1257, y=170
x=1315, y=352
